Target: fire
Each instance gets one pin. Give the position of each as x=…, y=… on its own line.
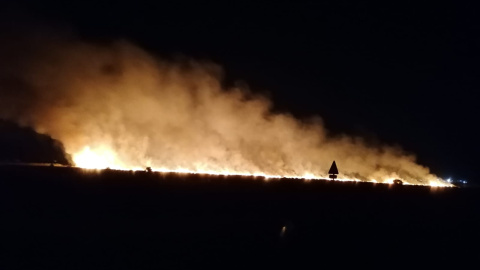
x=439, y=184
x=103, y=157
x=116, y=106
x=99, y=159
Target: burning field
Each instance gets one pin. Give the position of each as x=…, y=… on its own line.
x=114, y=105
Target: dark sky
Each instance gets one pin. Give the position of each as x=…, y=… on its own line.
x=400, y=73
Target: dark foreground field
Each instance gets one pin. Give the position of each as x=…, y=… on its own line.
x=64, y=218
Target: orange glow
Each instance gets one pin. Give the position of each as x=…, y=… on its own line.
x=99, y=159
x=103, y=157
x=116, y=106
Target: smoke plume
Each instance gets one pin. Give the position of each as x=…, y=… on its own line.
x=114, y=102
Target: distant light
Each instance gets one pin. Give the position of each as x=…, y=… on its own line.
x=449, y=180
x=282, y=232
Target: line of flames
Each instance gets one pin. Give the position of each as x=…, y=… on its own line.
x=88, y=159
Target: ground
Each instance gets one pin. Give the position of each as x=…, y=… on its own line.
x=68, y=218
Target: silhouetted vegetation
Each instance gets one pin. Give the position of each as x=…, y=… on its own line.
x=23, y=144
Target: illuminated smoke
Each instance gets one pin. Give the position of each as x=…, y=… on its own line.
x=114, y=105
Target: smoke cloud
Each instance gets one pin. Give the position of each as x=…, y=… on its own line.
x=116, y=101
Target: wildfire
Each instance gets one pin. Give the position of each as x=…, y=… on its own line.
x=102, y=158
x=116, y=106
x=99, y=159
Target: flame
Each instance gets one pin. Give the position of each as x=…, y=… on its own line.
x=439, y=184
x=103, y=158
x=98, y=159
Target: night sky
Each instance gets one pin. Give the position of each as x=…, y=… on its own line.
x=401, y=74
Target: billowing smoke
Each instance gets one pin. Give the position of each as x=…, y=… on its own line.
x=115, y=105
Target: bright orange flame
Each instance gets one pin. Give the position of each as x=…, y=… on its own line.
x=98, y=159
x=103, y=157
